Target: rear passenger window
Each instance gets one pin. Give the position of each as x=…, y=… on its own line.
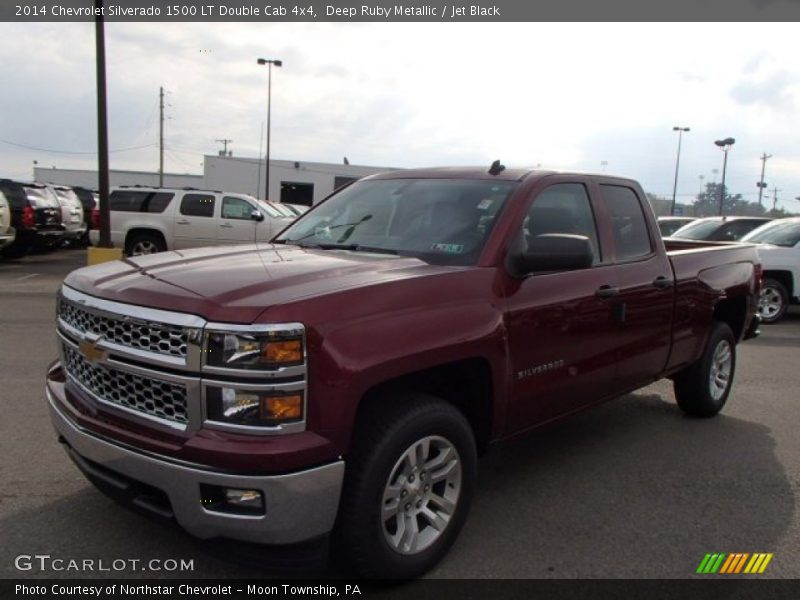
x=197, y=205
x=628, y=224
x=563, y=208
x=139, y=201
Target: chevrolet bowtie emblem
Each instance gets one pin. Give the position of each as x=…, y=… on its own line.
x=91, y=352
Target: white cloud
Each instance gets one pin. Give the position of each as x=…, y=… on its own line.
x=564, y=95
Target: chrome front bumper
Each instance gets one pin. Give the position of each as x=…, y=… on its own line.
x=299, y=506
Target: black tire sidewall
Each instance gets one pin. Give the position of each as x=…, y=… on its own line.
x=434, y=418
x=143, y=237
x=693, y=393
x=778, y=287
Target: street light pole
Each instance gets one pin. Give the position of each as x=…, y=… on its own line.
x=761, y=185
x=724, y=145
x=680, y=131
x=269, y=63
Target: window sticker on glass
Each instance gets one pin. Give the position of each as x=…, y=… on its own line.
x=448, y=248
x=485, y=204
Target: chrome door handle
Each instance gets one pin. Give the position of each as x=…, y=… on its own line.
x=226, y=225
x=182, y=222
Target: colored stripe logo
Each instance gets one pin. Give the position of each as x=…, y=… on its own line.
x=734, y=563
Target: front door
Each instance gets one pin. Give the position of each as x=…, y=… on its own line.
x=236, y=226
x=561, y=324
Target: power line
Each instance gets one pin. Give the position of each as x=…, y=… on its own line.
x=54, y=151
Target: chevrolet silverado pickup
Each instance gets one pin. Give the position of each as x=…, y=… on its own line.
x=340, y=381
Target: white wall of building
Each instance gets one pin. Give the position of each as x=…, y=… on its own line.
x=235, y=174
x=228, y=174
x=88, y=179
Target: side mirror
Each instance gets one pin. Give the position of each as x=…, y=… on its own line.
x=552, y=252
x=257, y=216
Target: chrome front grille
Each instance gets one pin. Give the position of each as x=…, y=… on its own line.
x=158, y=338
x=161, y=399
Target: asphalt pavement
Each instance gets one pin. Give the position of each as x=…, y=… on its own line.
x=632, y=489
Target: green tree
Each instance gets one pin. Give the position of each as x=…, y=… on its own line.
x=707, y=203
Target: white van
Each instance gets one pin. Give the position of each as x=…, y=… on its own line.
x=145, y=220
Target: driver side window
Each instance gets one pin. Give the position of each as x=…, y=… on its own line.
x=563, y=208
x=236, y=208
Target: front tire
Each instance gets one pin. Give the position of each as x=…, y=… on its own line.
x=144, y=243
x=408, y=486
x=703, y=388
x=773, y=302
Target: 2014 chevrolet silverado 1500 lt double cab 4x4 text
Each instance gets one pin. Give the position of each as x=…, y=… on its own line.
x=344, y=377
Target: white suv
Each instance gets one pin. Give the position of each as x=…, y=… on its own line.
x=779, y=250
x=145, y=220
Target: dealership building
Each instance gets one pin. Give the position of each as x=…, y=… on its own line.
x=296, y=182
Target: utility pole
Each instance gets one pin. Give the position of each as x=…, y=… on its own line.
x=775, y=191
x=102, y=128
x=761, y=185
x=161, y=137
x=224, y=143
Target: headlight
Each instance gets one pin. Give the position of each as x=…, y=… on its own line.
x=257, y=350
x=258, y=409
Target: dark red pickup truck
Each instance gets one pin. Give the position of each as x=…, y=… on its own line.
x=346, y=376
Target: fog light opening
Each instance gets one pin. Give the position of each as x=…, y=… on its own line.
x=235, y=501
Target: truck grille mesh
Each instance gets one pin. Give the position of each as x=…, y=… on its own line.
x=151, y=337
x=150, y=396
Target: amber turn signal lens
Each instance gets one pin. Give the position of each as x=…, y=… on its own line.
x=288, y=351
x=282, y=407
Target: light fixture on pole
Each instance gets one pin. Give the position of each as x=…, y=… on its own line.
x=680, y=131
x=269, y=63
x=724, y=145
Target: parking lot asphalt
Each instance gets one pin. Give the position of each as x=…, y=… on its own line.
x=632, y=489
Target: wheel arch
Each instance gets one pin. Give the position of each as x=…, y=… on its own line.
x=135, y=231
x=466, y=384
x=785, y=278
x=732, y=311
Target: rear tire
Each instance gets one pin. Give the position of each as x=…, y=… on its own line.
x=773, y=302
x=408, y=486
x=144, y=243
x=703, y=388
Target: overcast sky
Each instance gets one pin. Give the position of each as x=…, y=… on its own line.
x=563, y=96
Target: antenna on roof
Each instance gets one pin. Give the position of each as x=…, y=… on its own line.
x=496, y=168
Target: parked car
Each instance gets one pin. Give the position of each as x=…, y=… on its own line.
x=72, y=218
x=7, y=233
x=719, y=229
x=145, y=220
x=297, y=209
x=779, y=250
x=88, y=200
x=669, y=225
x=35, y=216
x=350, y=372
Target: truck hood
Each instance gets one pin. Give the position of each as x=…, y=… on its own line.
x=236, y=284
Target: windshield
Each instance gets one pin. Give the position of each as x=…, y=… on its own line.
x=284, y=210
x=778, y=233
x=698, y=230
x=442, y=221
x=270, y=209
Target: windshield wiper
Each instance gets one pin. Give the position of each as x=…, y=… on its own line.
x=350, y=247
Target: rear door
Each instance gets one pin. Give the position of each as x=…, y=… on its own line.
x=644, y=299
x=562, y=333
x=195, y=221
